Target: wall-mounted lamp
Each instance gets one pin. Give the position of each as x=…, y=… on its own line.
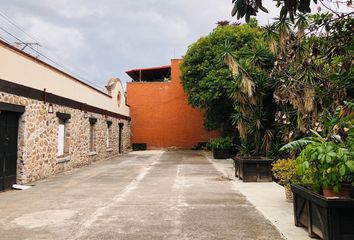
x=86, y=114
x=50, y=108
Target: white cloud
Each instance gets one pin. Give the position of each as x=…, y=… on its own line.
x=67, y=42
x=108, y=37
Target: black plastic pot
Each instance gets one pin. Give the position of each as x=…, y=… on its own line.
x=329, y=219
x=139, y=146
x=219, y=153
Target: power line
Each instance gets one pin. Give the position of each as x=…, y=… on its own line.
x=12, y=22
x=77, y=69
x=49, y=59
x=7, y=18
x=4, y=40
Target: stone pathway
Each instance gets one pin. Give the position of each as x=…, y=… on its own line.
x=142, y=195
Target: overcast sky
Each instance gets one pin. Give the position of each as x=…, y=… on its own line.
x=102, y=39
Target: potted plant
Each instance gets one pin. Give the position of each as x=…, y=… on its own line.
x=326, y=163
x=253, y=114
x=221, y=147
x=251, y=165
x=285, y=171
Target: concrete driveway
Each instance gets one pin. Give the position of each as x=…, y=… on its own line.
x=141, y=195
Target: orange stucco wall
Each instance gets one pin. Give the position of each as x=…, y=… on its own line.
x=161, y=116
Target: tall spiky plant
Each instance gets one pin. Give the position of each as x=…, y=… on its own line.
x=243, y=91
x=283, y=27
x=302, y=22
x=247, y=84
x=248, y=105
x=271, y=36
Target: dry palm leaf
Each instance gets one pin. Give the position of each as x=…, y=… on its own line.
x=230, y=61
x=272, y=44
x=309, y=98
x=267, y=140
x=241, y=126
x=248, y=86
x=258, y=124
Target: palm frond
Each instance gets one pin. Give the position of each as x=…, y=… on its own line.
x=230, y=61
x=241, y=126
x=283, y=26
x=271, y=36
x=297, y=144
x=309, y=98
x=301, y=24
x=349, y=105
x=319, y=137
x=267, y=140
x=248, y=86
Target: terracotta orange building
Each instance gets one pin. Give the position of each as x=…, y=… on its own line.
x=161, y=116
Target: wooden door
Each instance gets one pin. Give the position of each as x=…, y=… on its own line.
x=120, y=125
x=8, y=148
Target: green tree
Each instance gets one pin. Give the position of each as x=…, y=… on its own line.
x=251, y=91
x=314, y=73
x=205, y=77
x=288, y=8
x=227, y=75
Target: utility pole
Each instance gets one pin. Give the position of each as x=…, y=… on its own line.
x=23, y=45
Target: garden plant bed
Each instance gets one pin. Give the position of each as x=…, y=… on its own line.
x=329, y=219
x=253, y=169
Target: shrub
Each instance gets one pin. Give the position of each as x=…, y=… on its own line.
x=285, y=171
x=221, y=143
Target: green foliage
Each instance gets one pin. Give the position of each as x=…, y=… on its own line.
x=247, y=149
x=336, y=123
x=221, y=143
x=326, y=165
x=217, y=115
x=328, y=160
x=251, y=89
x=297, y=144
x=206, y=79
x=245, y=8
x=233, y=76
x=285, y=171
x=313, y=73
x=288, y=8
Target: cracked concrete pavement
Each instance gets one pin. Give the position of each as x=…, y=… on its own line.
x=141, y=195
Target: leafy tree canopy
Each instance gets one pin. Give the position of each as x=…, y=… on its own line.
x=288, y=8
x=207, y=79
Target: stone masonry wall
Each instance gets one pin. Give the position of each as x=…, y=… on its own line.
x=38, y=139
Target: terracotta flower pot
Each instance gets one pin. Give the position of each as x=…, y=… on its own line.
x=344, y=191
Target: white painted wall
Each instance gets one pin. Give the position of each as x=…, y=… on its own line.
x=19, y=68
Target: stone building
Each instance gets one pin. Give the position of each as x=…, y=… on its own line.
x=52, y=122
